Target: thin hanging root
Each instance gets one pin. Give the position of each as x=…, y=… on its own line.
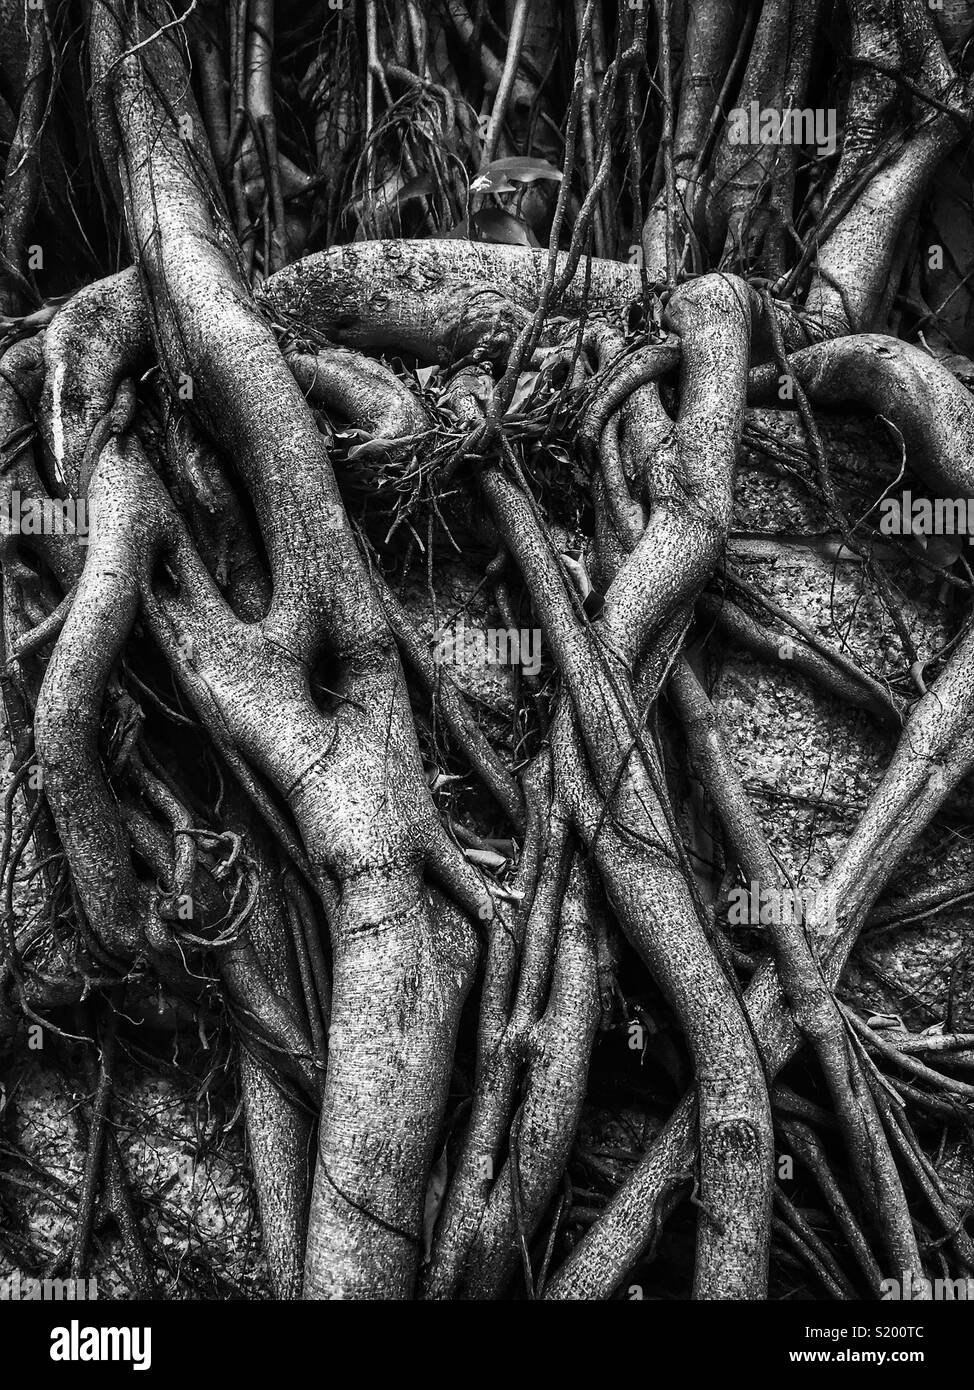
x=834, y=656
x=876, y=1042
x=833, y=506
x=22, y=176
x=256, y=981
x=119, y=1197
x=451, y=705
x=664, y=18
x=792, y=1228
x=804, y=1142
x=712, y=27
x=260, y=108
x=285, y=653
x=162, y=798
x=300, y=901
x=935, y=751
x=515, y=970
x=949, y=1219
x=639, y=865
x=93, y=1166
x=558, y=1045
x=512, y=57
x=852, y=285
x=781, y=648
x=279, y=1122
x=302, y=927
x=612, y=789
x=812, y=1002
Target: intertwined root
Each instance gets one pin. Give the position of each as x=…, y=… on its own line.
x=231, y=585
x=397, y=943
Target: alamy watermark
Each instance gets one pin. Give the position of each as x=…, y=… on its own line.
x=458, y=644
x=923, y=516
x=77, y=1343
x=790, y=125
x=909, y=1288
x=47, y=516
x=16, y=1288
x=756, y=905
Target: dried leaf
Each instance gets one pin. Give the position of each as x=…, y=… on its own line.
x=485, y=858
x=887, y=1021
x=502, y=173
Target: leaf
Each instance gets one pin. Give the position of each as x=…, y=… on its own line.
x=579, y=575
x=380, y=444
x=485, y=858
x=887, y=1021
x=505, y=847
x=499, y=176
x=526, y=385
x=494, y=224
x=443, y=779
